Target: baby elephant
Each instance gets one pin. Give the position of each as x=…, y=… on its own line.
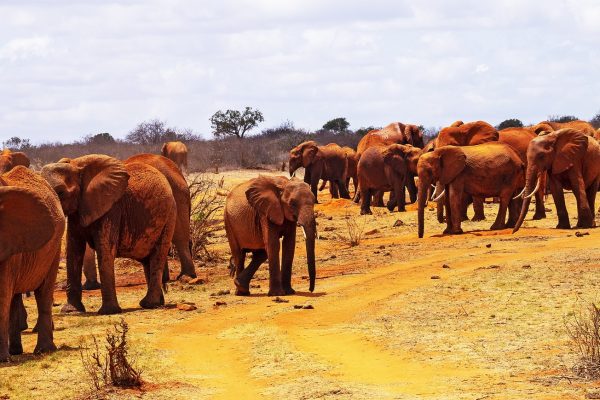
x=257, y=214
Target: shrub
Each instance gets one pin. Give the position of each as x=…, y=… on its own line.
x=112, y=367
x=595, y=121
x=584, y=330
x=206, y=202
x=355, y=228
x=562, y=118
x=337, y=125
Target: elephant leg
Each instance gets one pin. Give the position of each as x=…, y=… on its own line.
x=313, y=188
x=181, y=240
x=22, y=314
x=5, y=306
x=540, y=209
x=585, y=216
x=155, y=264
x=44, y=296
x=440, y=209
x=591, y=197
x=106, y=259
x=392, y=203
x=500, y=222
x=242, y=281
x=334, y=189
x=399, y=192
x=323, y=186
x=273, y=249
x=412, y=188
x=559, y=202
x=89, y=270
x=365, y=205
x=14, y=336
x=377, y=198
x=357, y=195
x=454, y=201
x=478, y=208
x=514, y=207
x=288, y=246
x=343, y=189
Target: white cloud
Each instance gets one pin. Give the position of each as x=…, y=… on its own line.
x=67, y=69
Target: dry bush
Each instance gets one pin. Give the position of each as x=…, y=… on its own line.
x=584, y=330
x=206, y=202
x=111, y=368
x=355, y=228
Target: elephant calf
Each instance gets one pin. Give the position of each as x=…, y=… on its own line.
x=260, y=212
x=32, y=224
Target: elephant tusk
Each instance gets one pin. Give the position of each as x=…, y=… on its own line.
x=440, y=196
x=519, y=195
x=434, y=191
x=304, y=233
x=537, y=186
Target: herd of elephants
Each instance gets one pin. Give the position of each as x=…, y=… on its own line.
x=138, y=207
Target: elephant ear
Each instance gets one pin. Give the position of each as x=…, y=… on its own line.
x=482, y=132
x=571, y=146
x=163, y=150
x=103, y=182
x=394, y=157
x=264, y=195
x=452, y=161
x=309, y=154
x=25, y=221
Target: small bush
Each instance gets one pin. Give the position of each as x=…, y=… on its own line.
x=562, y=118
x=584, y=330
x=206, y=202
x=355, y=228
x=510, y=123
x=111, y=368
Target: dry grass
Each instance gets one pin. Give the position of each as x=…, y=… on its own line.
x=583, y=327
x=355, y=229
x=204, y=223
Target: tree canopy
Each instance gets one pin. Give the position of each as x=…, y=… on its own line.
x=510, y=123
x=235, y=123
x=562, y=118
x=337, y=125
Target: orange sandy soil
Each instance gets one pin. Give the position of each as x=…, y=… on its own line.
x=491, y=327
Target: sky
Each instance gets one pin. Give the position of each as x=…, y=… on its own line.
x=70, y=69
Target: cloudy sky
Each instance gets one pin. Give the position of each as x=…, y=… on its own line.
x=68, y=69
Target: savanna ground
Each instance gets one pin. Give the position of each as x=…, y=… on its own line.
x=475, y=316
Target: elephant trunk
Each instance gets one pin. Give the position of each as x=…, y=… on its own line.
x=309, y=227
x=422, y=203
x=532, y=178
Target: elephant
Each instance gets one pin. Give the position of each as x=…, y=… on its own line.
x=519, y=139
x=10, y=159
x=121, y=209
x=258, y=213
x=321, y=162
x=181, y=236
x=32, y=224
x=550, y=126
x=465, y=134
x=385, y=168
x=572, y=161
x=488, y=169
x=178, y=153
x=350, y=171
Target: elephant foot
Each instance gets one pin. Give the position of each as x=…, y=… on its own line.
x=110, y=309
x=449, y=231
x=497, y=227
x=72, y=308
x=91, y=285
x=191, y=275
x=276, y=292
x=585, y=224
x=366, y=212
x=539, y=215
x=563, y=225
x=241, y=290
x=4, y=357
x=44, y=348
x=23, y=324
x=478, y=218
x=289, y=291
x=150, y=304
x=441, y=220
x=14, y=349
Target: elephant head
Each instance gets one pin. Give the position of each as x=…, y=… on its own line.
x=9, y=160
x=414, y=136
x=554, y=152
x=303, y=155
x=457, y=123
x=467, y=134
x=402, y=157
x=280, y=199
x=25, y=221
x=441, y=165
x=87, y=186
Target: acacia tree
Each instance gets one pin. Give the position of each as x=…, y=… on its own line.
x=510, y=123
x=235, y=123
x=337, y=125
